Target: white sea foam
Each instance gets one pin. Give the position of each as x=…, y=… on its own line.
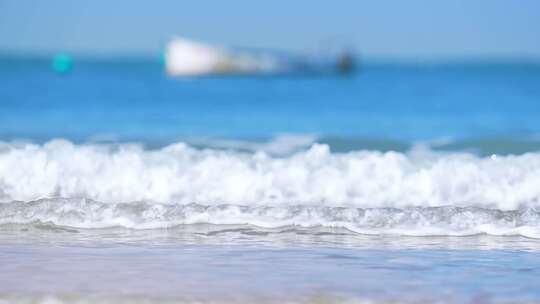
x=181, y=174
x=415, y=221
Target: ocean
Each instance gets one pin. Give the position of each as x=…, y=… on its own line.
x=402, y=183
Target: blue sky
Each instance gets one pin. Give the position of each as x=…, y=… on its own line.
x=378, y=28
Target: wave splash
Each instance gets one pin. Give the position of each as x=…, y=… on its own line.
x=181, y=174
x=413, y=221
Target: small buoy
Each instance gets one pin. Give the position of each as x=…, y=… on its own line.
x=162, y=59
x=62, y=63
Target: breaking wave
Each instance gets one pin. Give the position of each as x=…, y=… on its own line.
x=420, y=192
x=181, y=174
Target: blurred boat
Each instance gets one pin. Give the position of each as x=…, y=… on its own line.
x=184, y=57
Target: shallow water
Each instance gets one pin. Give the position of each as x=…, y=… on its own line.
x=244, y=264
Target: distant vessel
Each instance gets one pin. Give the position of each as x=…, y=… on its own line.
x=184, y=57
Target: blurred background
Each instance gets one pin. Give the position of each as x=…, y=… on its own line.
x=458, y=75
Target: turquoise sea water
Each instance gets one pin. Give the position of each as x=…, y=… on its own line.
x=135, y=100
x=414, y=183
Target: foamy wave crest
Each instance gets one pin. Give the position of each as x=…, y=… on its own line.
x=181, y=174
x=414, y=221
x=280, y=145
